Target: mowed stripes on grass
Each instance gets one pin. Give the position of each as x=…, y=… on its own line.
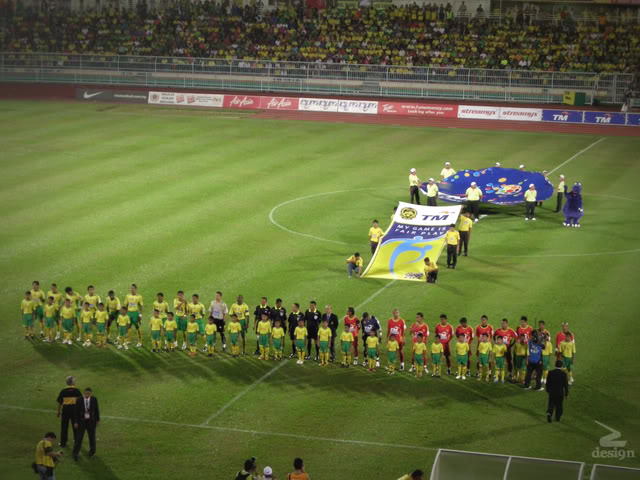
x=174, y=199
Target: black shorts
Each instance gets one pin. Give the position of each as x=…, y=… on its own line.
x=312, y=334
x=112, y=318
x=219, y=324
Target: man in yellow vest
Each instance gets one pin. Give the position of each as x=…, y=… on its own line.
x=530, y=197
x=432, y=193
x=560, y=193
x=414, y=186
x=466, y=224
x=452, y=239
x=474, y=195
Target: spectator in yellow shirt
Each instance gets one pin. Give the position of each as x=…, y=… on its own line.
x=430, y=271
x=466, y=224
x=354, y=264
x=452, y=238
x=530, y=198
x=375, y=235
x=474, y=195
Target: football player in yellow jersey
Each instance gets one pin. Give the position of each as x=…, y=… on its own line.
x=76, y=303
x=547, y=351
x=568, y=350
x=57, y=299
x=462, y=356
x=124, y=323
x=437, y=350
x=102, y=318
x=324, y=338
x=170, y=327
x=372, y=350
x=192, y=334
x=196, y=308
x=300, y=334
x=264, y=332
x=162, y=306
x=92, y=299
x=50, y=318
x=134, y=305
x=235, y=329
x=113, y=309
x=521, y=352
x=499, y=352
x=86, y=316
x=346, y=345
x=484, y=351
x=156, y=331
x=67, y=317
x=241, y=310
x=180, y=310
x=392, y=349
x=277, y=335
x=210, y=339
x=28, y=307
x=419, y=355
x=39, y=298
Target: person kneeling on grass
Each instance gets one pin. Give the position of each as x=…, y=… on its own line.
x=430, y=271
x=354, y=264
x=192, y=335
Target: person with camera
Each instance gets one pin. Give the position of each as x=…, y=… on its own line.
x=249, y=470
x=536, y=345
x=46, y=458
x=86, y=419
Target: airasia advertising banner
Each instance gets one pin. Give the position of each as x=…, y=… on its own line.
x=417, y=109
x=279, y=103
x=245, y=102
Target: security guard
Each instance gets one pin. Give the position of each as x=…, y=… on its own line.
x=66, y=405
x=414, y=186
x=432, y=193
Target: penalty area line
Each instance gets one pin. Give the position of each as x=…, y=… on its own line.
x=577, y=155
x=241, y=430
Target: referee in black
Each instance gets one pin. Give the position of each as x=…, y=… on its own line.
x=558, y=389
x=312, y=322
x=66, y=403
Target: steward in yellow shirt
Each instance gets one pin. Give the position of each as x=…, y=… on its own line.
x=466, y=224
x=375, y=235
x=452, y=238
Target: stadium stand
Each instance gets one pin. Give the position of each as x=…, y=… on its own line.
x=402, y=36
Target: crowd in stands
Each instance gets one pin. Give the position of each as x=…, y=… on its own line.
x=406, y=36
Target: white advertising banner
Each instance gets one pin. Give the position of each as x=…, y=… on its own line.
x=187, y=99
x=358, y=106
x=522, y=114
x=478, y=112
x=318, y=105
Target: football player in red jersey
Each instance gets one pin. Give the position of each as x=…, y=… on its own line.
x=416, y=328
x=445, y=331
x=509, y=339
x=524, y=329
x=561, y=334
x=467, y=331
x=396, y=326
x=351, y=321
x=483, y=329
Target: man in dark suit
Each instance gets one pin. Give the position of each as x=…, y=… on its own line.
x=86, y=418
x=332, y=319
x=558, y=389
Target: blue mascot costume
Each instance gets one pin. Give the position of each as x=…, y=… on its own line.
x=572, y=209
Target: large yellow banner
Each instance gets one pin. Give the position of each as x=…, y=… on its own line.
x=416, y=232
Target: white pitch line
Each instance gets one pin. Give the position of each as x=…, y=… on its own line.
x=577, y=154
x=243, y=393
x=376, y=293
x=240, y=430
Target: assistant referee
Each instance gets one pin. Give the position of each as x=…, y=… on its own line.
x=66, y=404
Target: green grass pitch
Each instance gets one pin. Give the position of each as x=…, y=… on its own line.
x=175, y=199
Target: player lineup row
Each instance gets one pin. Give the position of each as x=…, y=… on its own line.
x=306, y=330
